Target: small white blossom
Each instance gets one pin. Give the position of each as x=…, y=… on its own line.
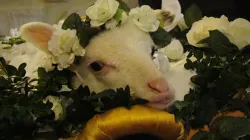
x=102, y=11
x=174, y=50
x=64, y=46
x=57, y=107
x=145, y=18
x=14, y=32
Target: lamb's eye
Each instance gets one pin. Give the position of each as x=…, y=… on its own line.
x=96, y=66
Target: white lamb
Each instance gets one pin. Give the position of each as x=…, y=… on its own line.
x=114, y=59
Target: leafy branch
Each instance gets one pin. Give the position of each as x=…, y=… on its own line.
x=23, y=112
x=221, y=85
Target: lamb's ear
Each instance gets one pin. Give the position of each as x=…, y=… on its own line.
x=38, y=34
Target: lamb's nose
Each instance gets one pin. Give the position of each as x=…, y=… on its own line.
x=160, y=85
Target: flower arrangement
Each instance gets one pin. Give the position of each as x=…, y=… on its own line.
x=215, y=48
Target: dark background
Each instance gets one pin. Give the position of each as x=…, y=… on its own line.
x=231, y=8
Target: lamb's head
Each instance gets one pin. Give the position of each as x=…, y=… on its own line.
x=114, y=59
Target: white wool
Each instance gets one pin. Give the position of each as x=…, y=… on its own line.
x=128, y=50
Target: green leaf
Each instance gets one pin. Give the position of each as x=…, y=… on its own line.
x=139, y=101
x=61, y=80
x=21, y=70
x=73, y=21
x=231, y=127
x=198, y=54
x=85, y=34
x=84, y=31
x=123, y=6
x=192, y=14
x=181, y=104
x=11, y=70
x=4, y=82
x=205, y=111
x=161, y=37
x=118, y=15
x=42, y=73
x=203, y=135
x=189, y=64
x=219, y=43
x=14, y=40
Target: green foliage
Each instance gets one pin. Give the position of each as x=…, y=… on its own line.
x=14, y=40
x=202, y=135
x=123, y=6
x=84, y=31
x=161, y=37
x=192, y=14
x=230, y=127
x=219, y=43
x=23, y=112
x=219, y=79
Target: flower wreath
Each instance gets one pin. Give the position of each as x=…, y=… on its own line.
x=218, y=50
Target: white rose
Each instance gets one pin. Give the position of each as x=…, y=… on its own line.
x=239, y=32
x=102, y=11
x=174, y=50
x=145, y=18
x=57, y=107
x=200, y=29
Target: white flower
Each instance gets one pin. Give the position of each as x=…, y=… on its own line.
x=62, y=41
x=145, y=18
x=57, y=107
x=64, y=46
x=77, y=49
x=182, y=24
x=64, y=60
x=174, y=50
x=239, y=32
x=111, y=24
x=14, y=32
x=174, y=8
x=200, y=29
x=102, y=11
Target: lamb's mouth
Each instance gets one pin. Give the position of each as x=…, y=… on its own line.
x=163, y=104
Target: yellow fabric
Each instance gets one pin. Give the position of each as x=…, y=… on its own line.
x=123, y=122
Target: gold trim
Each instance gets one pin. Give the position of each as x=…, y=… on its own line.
x=122, y=122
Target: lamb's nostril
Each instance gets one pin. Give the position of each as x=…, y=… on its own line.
x=160, y=85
